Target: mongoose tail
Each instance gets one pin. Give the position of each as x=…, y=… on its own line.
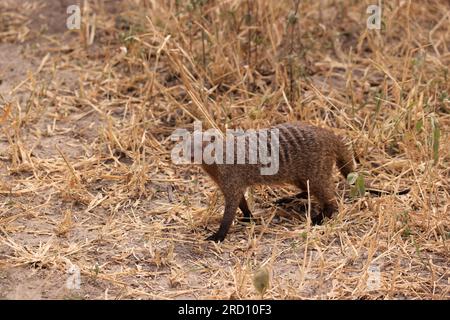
x=344, y=162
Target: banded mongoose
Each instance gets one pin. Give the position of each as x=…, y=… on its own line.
x=306, y=153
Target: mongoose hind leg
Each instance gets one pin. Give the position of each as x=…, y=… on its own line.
x=245, y=210
x=326, y=212
x=324, y=194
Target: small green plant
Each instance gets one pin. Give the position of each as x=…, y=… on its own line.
x=304, y=235
x=406, y=232
x=419, y=125
x=356, y=180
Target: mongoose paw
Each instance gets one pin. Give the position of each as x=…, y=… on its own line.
x=317, y=219
x=216, y=238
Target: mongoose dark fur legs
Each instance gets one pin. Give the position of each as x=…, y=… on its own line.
x=245, y=210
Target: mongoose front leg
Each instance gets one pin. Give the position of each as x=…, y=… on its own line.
x=231, y=205
x=245, y=210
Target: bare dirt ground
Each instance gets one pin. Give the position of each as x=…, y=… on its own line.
x=86, y=180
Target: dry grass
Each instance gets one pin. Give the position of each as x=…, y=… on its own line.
x=85, y=170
